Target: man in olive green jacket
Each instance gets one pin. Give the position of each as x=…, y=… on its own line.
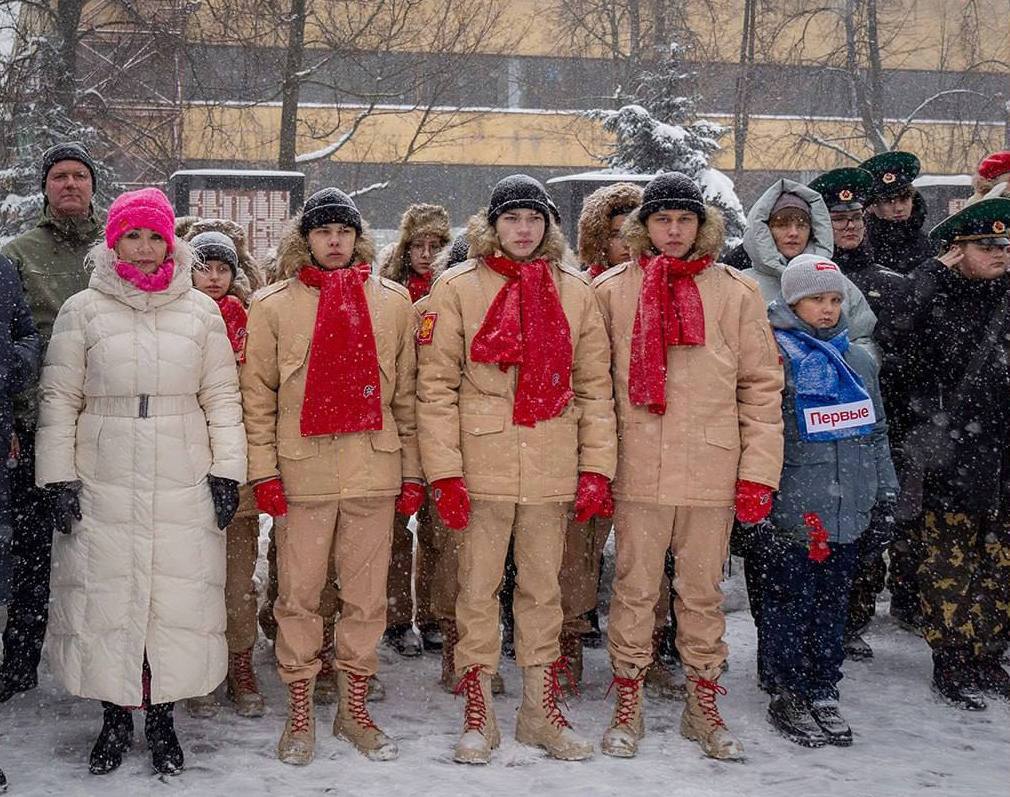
x=50, y=261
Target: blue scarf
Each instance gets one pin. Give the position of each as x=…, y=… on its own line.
x=832, y=402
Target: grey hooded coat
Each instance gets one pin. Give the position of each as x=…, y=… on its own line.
x=767, y=263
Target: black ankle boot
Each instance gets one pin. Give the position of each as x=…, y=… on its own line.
x=992, y=679
x=159, y=728
x=955, y=680
x=115, y=739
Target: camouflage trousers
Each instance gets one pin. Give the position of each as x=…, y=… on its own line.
x=964, y=582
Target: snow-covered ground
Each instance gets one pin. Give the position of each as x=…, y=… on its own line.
x=906, y=742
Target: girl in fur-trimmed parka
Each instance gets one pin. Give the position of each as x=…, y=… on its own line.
x=328, y=392
x=424, y=232
x=515, y=411
x=141, y=446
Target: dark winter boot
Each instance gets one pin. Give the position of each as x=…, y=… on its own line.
x=992, y=679
x=115, y=739
x=857, y=648
x=594, y=637
x=3, y=782
x=829, y=718
x=404, y=640
x=431, y=637
x=790, y=716
x=954, y=680
x=159, y=728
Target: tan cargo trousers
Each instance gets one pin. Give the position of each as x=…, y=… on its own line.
x=356, y=535
x=242, y=550
x=539, y=532
x=405, y=582
x=580, y=575
x=699, y=539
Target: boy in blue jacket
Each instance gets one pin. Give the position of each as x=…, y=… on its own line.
x=837, y=467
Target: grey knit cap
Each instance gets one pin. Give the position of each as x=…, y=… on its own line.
x=810, y=275
x=214, y=245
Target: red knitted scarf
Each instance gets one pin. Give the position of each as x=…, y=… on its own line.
x=235, y=318
x=342, y=391
x=527, y=327
x=670, y=313
x=595, y=269
x=419, y=285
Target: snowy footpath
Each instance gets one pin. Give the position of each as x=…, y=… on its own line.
x=906, y=743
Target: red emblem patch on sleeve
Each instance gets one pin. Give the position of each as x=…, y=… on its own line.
x=426, y=331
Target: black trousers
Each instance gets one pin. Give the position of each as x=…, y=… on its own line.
x=31, y=554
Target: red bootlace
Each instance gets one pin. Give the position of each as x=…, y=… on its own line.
x=706, y=691
x=475, y=713
x=298, y=694
x=627, y=691
x=552, y=691
x=357, y=693
x=242, y=672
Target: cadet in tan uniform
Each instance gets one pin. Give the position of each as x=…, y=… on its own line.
x=328, y=398
x=697, y=383
x=515, y=410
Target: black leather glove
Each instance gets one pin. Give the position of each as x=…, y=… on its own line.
x=225, y=495
x=64, y=504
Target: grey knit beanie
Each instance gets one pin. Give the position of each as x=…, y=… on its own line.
x=809, y=275
x=214, y=245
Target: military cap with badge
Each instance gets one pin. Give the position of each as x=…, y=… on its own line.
x=984, y=223
x=844, y=189
x=892, y=172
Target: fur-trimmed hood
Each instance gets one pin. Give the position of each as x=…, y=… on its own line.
x=594, y=221
x=293, y=250
x=250, y=277
x=417, y=220
x=484, y=241
x=710, y=240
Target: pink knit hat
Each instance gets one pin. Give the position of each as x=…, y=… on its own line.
x=147, y=207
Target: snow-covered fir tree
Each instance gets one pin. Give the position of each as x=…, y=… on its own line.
x=658, y=130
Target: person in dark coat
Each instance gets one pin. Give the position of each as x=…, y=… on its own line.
x=896, y=212
x=846, y=192
x=960, y=451
x=20, y=353
x=49, y=260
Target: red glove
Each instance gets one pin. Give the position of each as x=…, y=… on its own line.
x=452, y=501
x=818, y=549
x=270, y=498
x=411, y=498
x=593, y=497
x=753, y=501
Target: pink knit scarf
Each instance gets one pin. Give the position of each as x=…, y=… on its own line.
x=149, y=283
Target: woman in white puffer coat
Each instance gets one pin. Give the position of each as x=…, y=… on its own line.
x=141, y=446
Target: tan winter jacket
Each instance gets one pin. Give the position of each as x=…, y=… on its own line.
x=464, y=409
x=140, y=402
x=723, y=420
x=281, y=321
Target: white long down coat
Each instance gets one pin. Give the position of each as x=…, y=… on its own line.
x=144, y=570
